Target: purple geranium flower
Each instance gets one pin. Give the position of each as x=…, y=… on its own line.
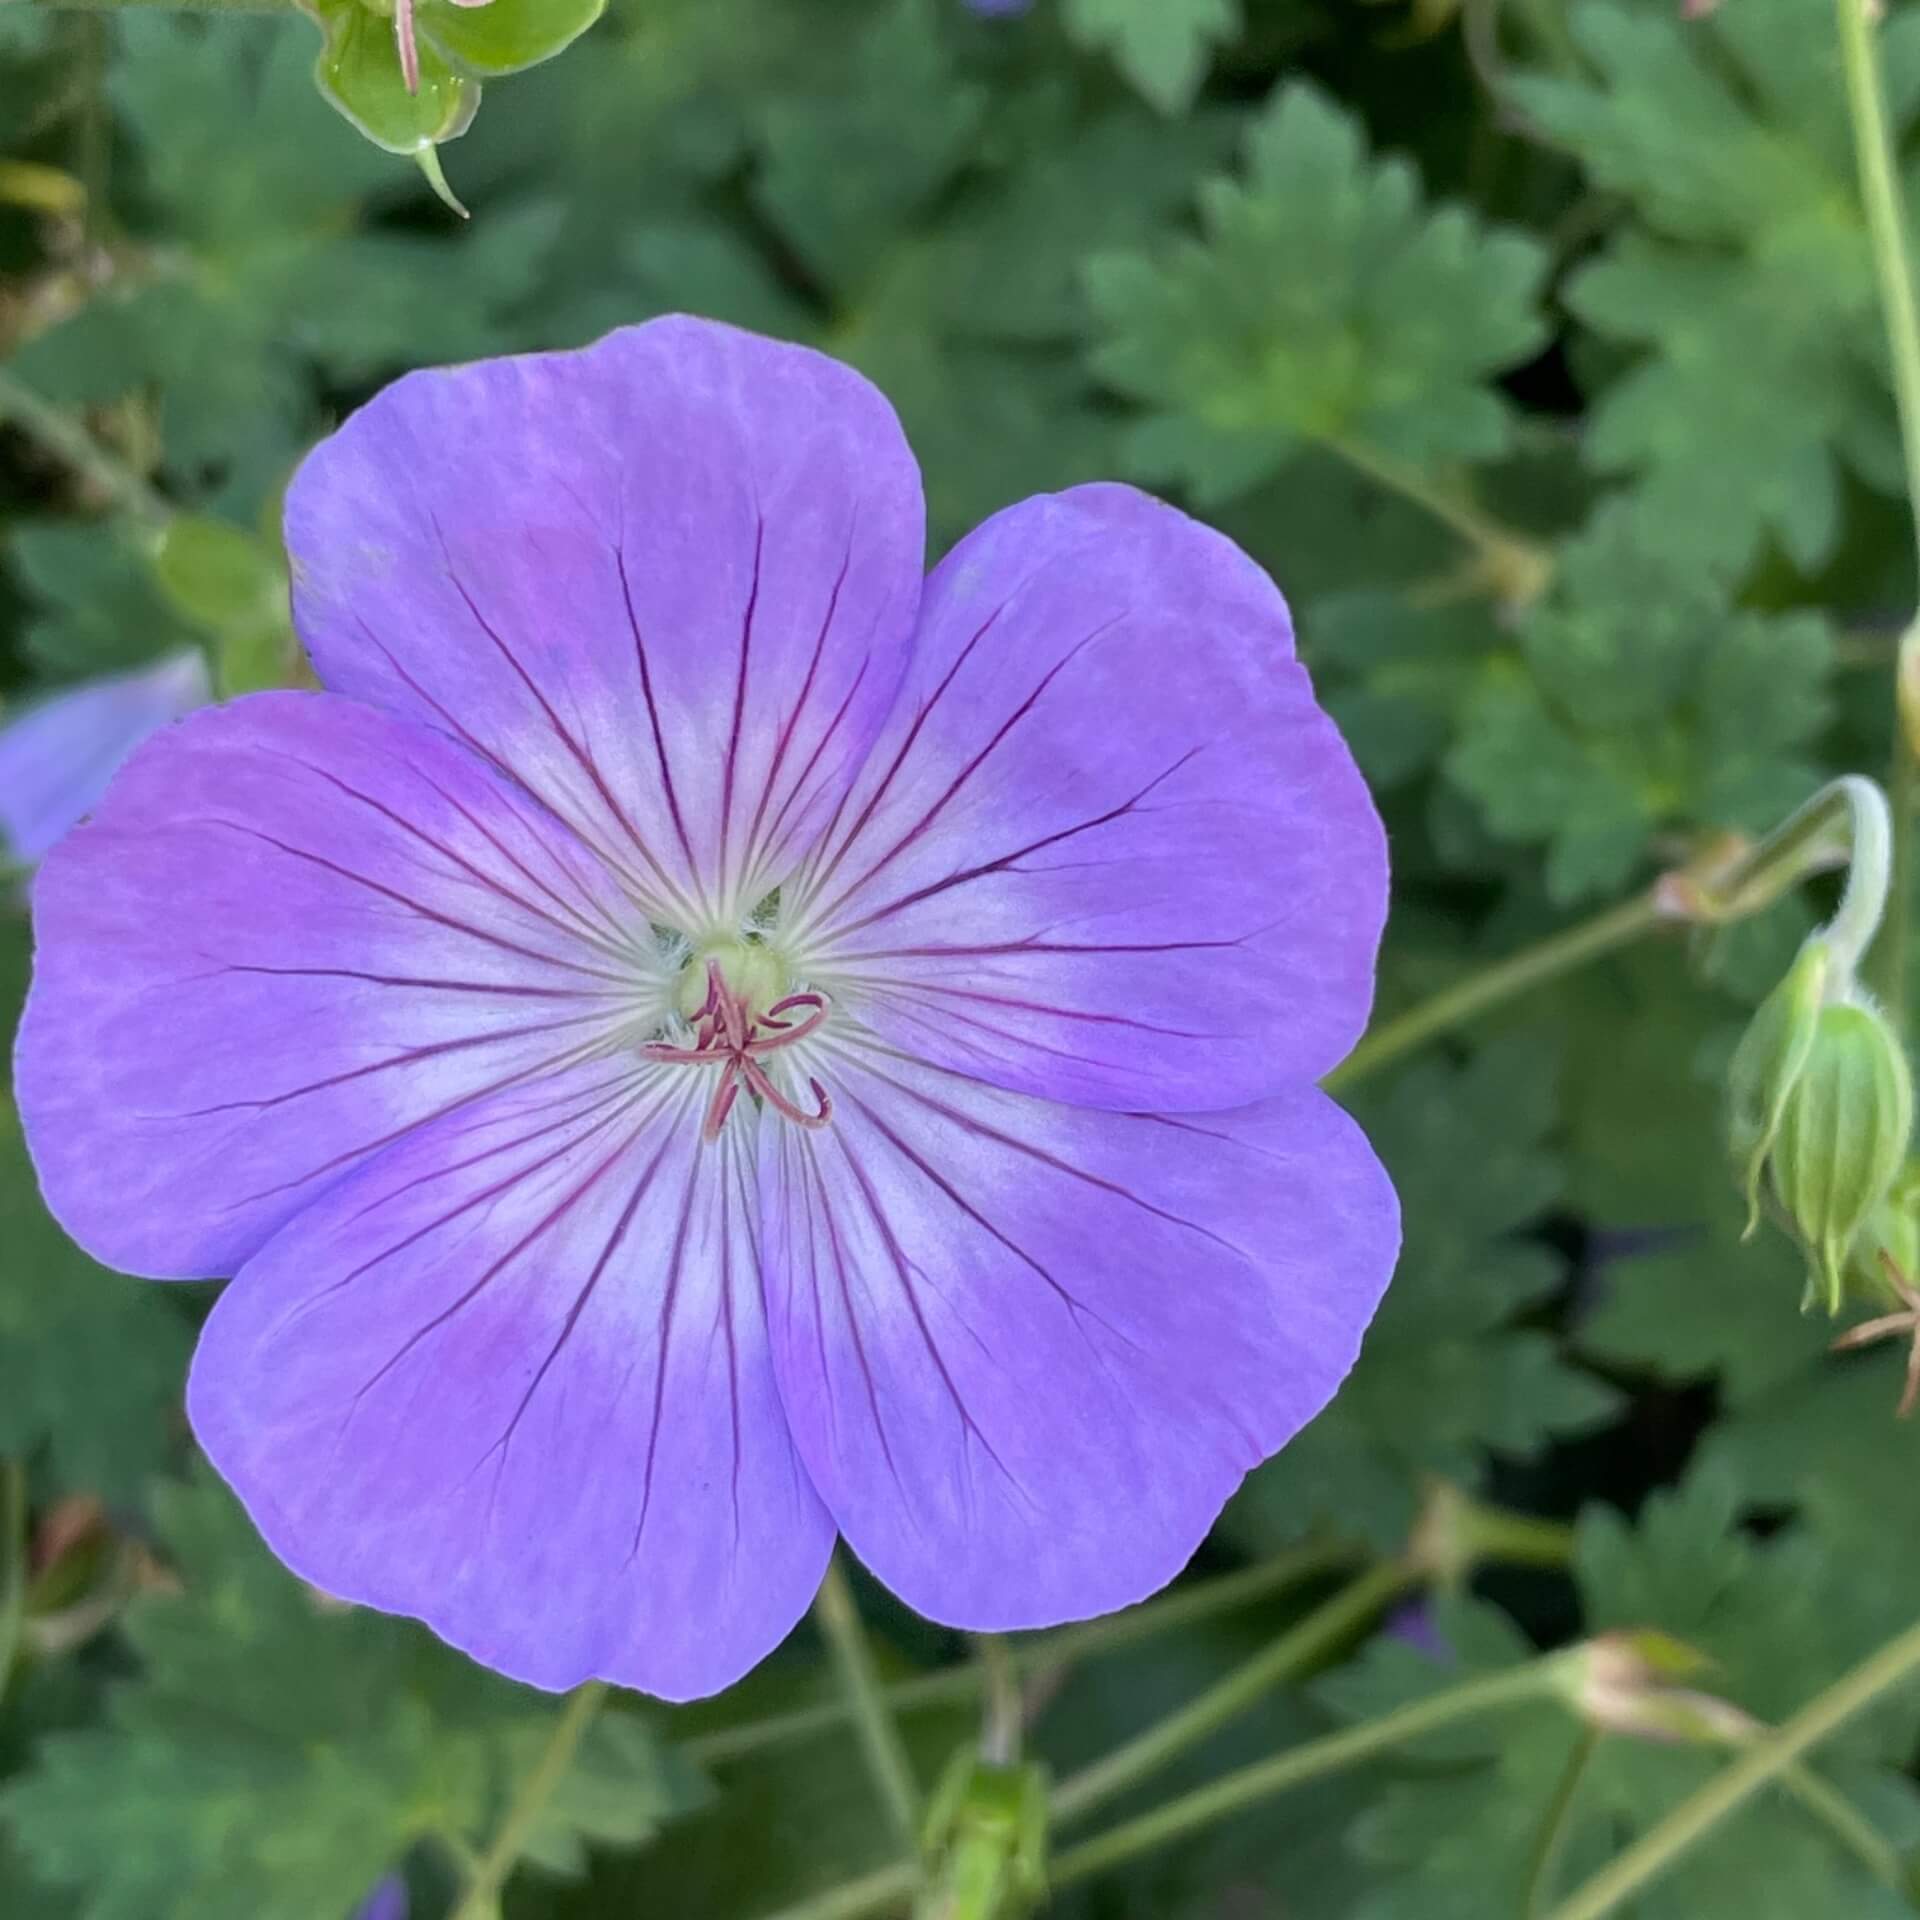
x=57, y=757
x=387, y=1901
x=703, y=1039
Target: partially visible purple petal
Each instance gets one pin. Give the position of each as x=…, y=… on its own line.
x=667, y=582
x=295, y=928
x=1107, y=849
x=1027, y=1351
x=1413, y=1626
x=57, y=756
x=388, y=1901
x=512, y=1377
x=997, y=8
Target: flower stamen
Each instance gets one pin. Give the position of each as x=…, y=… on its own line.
x=727, y=1034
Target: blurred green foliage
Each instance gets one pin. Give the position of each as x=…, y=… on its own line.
x=1534, y=347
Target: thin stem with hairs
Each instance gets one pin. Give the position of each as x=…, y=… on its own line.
x=1762, y=1763
x=496, y=1865
x=880, y=1742
x=1881, y=193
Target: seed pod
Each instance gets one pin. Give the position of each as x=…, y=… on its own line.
x=1841, y=1137
x=1768, y=1062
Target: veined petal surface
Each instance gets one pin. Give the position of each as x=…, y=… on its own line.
x=512, y=1377
x=1027, y=1350
x=295, y=928
x=1107, y=849
x=667, y=582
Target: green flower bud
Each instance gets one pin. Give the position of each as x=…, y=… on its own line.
x=1822, y=1107
x=1769, y=1061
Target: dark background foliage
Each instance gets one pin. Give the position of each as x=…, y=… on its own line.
x=1534, y=349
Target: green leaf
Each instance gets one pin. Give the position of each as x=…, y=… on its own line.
x=1162, y=46
x=1445, y=1372
x=98, y=607
x=1322, y=301
x=1743, y=288
x=272, y=273
x=847, y=168
x=91, y=1363
x=279, y=1752
x=1396, y=675
x=1641, y=700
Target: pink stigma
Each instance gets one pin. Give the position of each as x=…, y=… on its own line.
x=726, y=1035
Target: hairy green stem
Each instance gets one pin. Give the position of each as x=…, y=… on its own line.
x=1765, y=1761
x=1301, y=1648
x=1544, y=1867
x=885, y=1890
x=529, y=1803
x=13, y=1564
x=1846, y=1823
x=956, y=1685
x=873, y=1720
x=1850, y=812
x=1880, y=191
x=1517, y=567
x=1003, y=1724
x=1248, y=1786
x=70, y=442
x=1494, y=985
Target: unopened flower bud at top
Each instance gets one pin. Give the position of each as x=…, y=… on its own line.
x=1821, y=1111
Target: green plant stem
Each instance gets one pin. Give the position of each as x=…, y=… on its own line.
x=1544, y=1868
x=13, y=1564
x=885, y=1890
x=529, y=1803
x=1759, y=1765
x=1003, y=1723
x=1880, y=191
x=886, y=1757
x=1808, y=840
x=1846, y=1823
x=1494, y=985
x=956, y=1685
x=1323, y=1631
x=1246, y=1787
x=1520, y=567
x=68, y=441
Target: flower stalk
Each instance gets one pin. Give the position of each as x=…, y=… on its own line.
x=1537, y=1680
x=496, y=1865
x=1880, y=191
x=1515, y=569
x=1847, y=822
x=1039, y=1652
x=886, y=1755
x=69, y=442
x=1350, y=1611
x=1765, y=1761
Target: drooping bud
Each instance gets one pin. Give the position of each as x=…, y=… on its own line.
x=1821, y=1112
x=1623, y=1683
x=1768, y=1063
